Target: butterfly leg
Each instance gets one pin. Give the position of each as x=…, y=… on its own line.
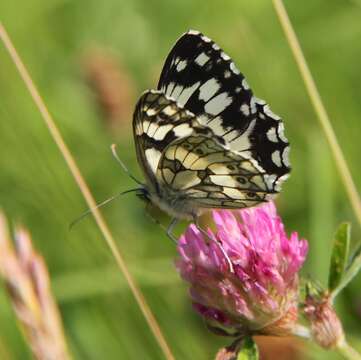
x=228, y=260
x=170, y=228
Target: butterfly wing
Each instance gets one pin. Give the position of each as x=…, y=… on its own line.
x=203, y=171
x=203, y=79
x=157, y=122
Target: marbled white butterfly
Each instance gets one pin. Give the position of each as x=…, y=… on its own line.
x=203, y=139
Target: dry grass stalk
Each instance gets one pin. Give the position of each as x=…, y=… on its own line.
x=83, y=186
x=27, y=280
x=319, y=108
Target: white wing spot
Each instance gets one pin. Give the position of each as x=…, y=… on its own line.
x=169, y=110
x=139, y=128
x=245, y=84
x=218, y=104
x=169, y=88
x=223, y=180
x=153, y=156
x=270, y=114
x=227, y=74
x=280, y=181
x=238, y=89
x=270, y=181
x=260, y=101
x=193, y=32
x=181, y=65
x=215, y=47
x=203, y=119
x=206, y=39
x=285, y=156
x=216, y=125
x=208, y=89
x=234, y=68
x=271, y=135
x=245, y=109
x=162, y=131
x=182, y=130
x=276, y=158
x=186, y=179
x=224, y=56
x=151, y=112
x=153, y=127
x=253, y=105
x=281, y=134
x=187, y=93
x=234, y=193
x=201, y=59
x=231, y=135
x=242, y=142
x=176, y=91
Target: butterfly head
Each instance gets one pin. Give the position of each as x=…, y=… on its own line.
x=143, y=194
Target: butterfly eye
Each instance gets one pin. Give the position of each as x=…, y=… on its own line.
x=241, y=180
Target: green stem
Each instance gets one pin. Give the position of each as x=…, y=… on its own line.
x=347, y=351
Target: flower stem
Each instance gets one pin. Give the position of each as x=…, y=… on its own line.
x=347, y=351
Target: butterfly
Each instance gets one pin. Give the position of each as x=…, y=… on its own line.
x=203, y=140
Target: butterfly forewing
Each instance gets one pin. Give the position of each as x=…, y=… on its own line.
x=202, y=78
x=158, y=121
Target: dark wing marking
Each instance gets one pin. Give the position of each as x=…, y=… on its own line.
x=203, y=79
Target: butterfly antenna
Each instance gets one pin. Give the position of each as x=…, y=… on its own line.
x=114, y=152
x=99, y=205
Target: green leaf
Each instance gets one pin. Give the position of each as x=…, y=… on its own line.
x=352, y=269
x=249, y=350
x=339, y=256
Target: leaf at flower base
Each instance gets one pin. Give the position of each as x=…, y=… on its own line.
x=339, y=256
x=352, y=269
x=249, y=350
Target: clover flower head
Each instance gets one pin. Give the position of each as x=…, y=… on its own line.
x=246, y=280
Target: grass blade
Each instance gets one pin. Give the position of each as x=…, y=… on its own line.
x=58, y=139
x=320, y=110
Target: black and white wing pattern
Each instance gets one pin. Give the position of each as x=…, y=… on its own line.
x=180, y=156
x=203, y=79
x=203, y=139
x=158, y=121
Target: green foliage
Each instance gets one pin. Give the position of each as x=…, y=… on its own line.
x=249, y=350
x=352, y=269
x=339, y=256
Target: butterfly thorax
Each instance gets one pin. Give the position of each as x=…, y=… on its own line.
x=175, y=203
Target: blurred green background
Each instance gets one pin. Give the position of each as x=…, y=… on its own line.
x=90, y=60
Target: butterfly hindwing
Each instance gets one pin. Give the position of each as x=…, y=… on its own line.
x=204, y=172
x=202, y=78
